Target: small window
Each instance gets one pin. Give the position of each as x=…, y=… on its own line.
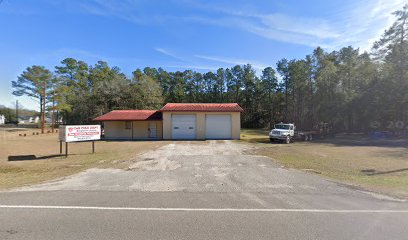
x=128, y=125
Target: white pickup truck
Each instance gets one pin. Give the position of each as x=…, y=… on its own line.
x=283, y=132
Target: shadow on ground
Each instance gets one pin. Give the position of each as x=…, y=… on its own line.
x=372, y=172
x=342, y=139
x=363, y=141
x=31, y=157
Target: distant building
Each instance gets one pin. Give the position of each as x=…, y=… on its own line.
x=2, y=120
x=35, y=119
x=22, y=120
x=26, y=119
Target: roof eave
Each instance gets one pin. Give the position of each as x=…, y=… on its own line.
x=200, y=111
x=107, y=120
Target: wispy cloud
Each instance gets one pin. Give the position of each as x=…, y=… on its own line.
x=78, y=53
x=233, y=61
x=127, y=10
x=184, y=62
x=53, y=57
x=364, y=23
x=134, y=11
x=357, y=24
x=170, y=54
x=284, y=27
x=11, y=8
x=194, y=67
x=211, y=63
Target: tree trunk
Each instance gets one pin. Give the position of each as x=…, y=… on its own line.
x=312, y=115
x=52, y=115
x=286, y=100
x=43, y=109
x=271, y=109
x=237, y=93
x=42, y=114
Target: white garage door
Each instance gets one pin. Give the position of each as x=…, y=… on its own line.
x=218, y=126
x=183, y=126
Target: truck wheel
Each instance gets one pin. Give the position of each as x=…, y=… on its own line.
x=287, y=140
x=271, y=140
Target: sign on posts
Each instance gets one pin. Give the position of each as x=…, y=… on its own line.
x=78, y=133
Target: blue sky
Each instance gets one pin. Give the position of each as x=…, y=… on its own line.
x=179, y=34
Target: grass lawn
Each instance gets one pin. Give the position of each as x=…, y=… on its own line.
x=42, y=161
x=378, y=165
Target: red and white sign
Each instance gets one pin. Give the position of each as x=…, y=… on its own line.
x=78, y=133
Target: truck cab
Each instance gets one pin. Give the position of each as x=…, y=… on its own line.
x=283, y=132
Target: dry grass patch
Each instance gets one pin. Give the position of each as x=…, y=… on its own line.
x=255, y=135
x=35, y=158
x=379, y=165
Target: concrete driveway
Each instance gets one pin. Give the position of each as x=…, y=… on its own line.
x=200, y=190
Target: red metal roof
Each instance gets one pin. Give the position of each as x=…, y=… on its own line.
x=201, y=107
x=130, y=115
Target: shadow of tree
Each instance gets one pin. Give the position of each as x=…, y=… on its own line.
x=373, y=173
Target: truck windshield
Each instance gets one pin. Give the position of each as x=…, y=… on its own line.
x=282, y=126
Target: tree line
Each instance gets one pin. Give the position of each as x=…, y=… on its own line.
x=351, y=91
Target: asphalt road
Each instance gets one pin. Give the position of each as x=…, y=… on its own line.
x=199, y=191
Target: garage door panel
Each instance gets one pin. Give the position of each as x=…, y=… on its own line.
x=218, y=126
x=183, y=126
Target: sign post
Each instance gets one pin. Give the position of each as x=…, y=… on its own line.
x=79, y=133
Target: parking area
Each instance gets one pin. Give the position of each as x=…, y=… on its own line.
x=199, y=190
x=215, y=167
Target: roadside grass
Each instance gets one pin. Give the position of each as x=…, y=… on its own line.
x=377, y=165
x=35, y=158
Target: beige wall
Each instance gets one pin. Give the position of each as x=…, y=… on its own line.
x=200, y=124
x=236, y=125
x=116, y=130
